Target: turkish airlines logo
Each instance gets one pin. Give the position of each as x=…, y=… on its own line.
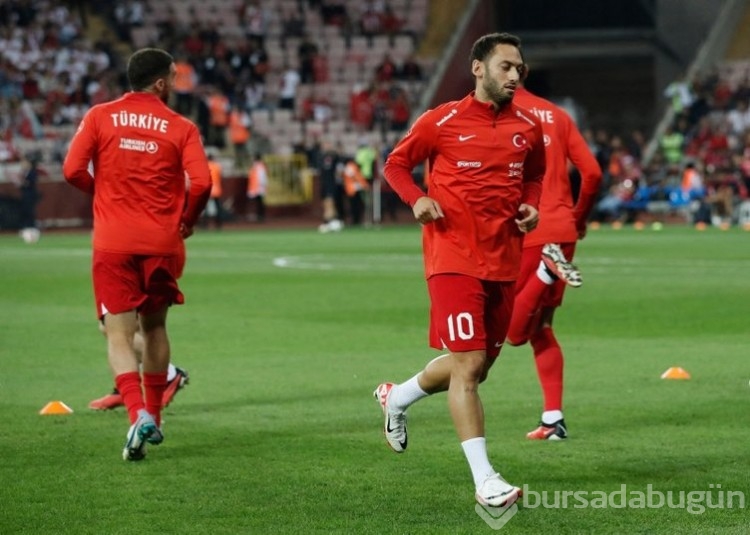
x=547, y=140
x=519, y=141
x=138, y=145
x=463, y=163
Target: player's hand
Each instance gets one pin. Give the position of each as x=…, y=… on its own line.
x=427, y=210
x=528, y=218
x=185, y=231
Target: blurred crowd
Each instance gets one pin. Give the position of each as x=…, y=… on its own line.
x=701, y=164
x=49, y=73
x=54, y=66
x=52, y=69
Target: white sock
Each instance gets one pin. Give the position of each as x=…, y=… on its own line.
x=544, y=274
x=475, y=450
x=550, y=417
x=406, y=394
x=171, y=372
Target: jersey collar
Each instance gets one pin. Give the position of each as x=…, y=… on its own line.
x=487, y=107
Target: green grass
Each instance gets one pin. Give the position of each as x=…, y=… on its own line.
x=286, y=333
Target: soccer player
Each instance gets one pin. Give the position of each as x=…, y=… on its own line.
x=140, y=151
x=177, y=378
x=545, y=265
x=486, y=160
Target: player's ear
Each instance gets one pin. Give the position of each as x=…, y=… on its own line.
x=524, y=72
x=477, y=68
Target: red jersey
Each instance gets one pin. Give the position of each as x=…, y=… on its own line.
x=141, y=152
x=483, y=165
x=559, y=220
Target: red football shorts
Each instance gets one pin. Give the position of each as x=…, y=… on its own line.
x=530, y=263
x=469, y=314
x=144, y=283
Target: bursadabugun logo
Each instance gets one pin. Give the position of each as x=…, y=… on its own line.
x=694, y=502
x=496, y=517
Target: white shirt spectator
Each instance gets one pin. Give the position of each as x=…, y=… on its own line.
x=254, y=95
x=739, y=118
x=290, y=80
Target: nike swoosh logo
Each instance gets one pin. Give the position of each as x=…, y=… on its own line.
x=388, y=425
x=466, y=138
x=388, y=428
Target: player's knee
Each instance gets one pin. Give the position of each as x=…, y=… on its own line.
x=515, y=339
x=468, y=366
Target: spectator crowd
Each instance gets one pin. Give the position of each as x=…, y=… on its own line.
x=701, y=164
x=55, y=64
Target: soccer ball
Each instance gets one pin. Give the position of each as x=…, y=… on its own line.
x=334, y=225
x=30, y=235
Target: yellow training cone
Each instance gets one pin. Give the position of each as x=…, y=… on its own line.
x=675, y=373
x=55, y=407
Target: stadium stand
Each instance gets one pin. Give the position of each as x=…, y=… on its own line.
x=56, y=62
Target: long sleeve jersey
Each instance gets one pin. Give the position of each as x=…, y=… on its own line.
x=140, y=152
x=483, y=164
x=559, y=219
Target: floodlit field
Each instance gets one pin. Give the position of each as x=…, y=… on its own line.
x=285, y=334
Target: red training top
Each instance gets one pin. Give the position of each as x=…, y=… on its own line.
x=141, y=152
x=559, y=220
x=483, y=164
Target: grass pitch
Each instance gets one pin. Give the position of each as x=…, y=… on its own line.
x=285, y=334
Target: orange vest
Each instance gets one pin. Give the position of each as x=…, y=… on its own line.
x=353, y=179
x=217, y=107
x=687, y=179
x=257, y=179
x=215, y=170
x=184, y=79
x=238, y=132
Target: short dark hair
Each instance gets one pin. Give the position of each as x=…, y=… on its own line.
x=146, y=66
x=486, y=44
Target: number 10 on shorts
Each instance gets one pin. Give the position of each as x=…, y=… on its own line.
x=462, y=325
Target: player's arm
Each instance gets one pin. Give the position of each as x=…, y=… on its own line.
x=80, y=153
x=591, y=178
x=195, y=164
x=533, y=170
x=533, y=174
x=414, y=148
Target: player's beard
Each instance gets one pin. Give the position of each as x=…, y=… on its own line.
x=497, y=94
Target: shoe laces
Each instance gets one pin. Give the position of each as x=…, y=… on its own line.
x=495, y=485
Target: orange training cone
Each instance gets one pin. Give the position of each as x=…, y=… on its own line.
x=55, y=407
x=675, y=373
